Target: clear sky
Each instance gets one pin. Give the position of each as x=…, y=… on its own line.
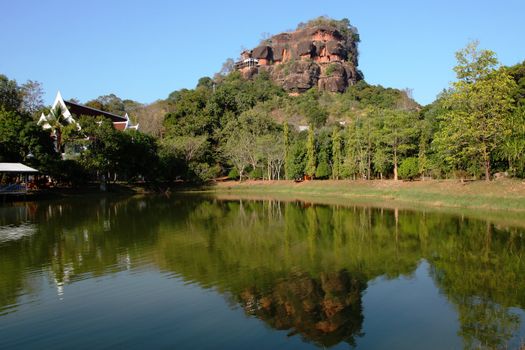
x=143, y=50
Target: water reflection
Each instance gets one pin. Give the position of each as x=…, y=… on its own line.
x=295, y=266
x=325, y=311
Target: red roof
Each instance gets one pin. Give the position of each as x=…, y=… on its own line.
x=119, y=125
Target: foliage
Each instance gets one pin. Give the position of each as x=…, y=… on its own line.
x=31, y=93
x=397, y=134
x=342, y=25
x=251, y=125
x=296, y=160
x=310, y=153
x=336, y=154
x=10, y=98
x=479, y=106
x=330, y=69
x=409, y=168
x=21, y=140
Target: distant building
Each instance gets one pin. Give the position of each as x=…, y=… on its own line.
x=71, y=110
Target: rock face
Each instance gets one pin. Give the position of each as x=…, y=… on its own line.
x=319, y=55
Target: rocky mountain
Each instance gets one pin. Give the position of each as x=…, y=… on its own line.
x=322, y=53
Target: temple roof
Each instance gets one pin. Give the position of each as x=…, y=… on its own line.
x=79, y=110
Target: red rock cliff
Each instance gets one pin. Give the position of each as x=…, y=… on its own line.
x=319, y=55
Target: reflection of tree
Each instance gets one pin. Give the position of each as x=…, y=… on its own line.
x=485, y=324
x=481, y=269
x=325, y=311
x=278, y=260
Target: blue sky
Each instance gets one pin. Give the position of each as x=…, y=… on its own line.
x=143, y=50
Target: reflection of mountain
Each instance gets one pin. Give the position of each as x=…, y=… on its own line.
x=326, y=311
x=297, y=267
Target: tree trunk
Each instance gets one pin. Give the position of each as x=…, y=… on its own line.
x=395, y=165
x=487, y=170
x=369, y=166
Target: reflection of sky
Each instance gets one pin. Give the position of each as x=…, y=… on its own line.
x=13, y=233
x=143, y=309
x=411, y=306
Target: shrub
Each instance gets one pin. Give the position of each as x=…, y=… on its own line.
x=323, y=170
x=330, y=69
x=233, y=174
x=409, y=168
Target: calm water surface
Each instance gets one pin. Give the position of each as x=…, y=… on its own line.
x=201, y=273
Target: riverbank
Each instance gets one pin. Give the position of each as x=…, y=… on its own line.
x=495, y=195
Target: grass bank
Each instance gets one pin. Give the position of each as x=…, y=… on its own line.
x=508, y=195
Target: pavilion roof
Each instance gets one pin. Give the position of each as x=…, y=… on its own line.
x=78, y=109
x=16, y=168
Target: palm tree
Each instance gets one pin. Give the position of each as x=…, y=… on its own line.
x=57, y=122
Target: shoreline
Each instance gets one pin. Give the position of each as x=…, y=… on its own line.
x=506, y=195
x=501, y=195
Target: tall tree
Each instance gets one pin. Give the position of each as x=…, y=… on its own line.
x=399, y=128
x=286, y=132
x=478, y=107
x=238, y=149
x=336, y=154
x=32, y=96
x=310, y=153
x=10, y=97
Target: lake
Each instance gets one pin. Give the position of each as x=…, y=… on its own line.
x=196, y=272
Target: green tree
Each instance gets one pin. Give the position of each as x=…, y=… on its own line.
x=381, y=161
x=296, y=160
x=238, y=150
x=512, y=148
x=336, y=154
x=21, y=140
x=10, y=96
x=310, y=153
x=409, y=168
x=286, y=132
x=479, y=106
x=397, y=131
x=58, y=124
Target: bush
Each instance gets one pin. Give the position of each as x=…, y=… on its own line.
x=409, y=168
x=233, y=174
x=330, y=69
x=256, y=174
x=323, y=170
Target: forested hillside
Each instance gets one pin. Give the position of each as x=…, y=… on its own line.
x=249, y=127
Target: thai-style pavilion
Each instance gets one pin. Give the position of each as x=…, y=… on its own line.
x=71, y=110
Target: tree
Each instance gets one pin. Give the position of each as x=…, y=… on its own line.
x=310, y=153
x=227, y=67
x=272, y=150
x=10, y=97
x=32, y=100
x=21, y=140
x=238, y=151
x=58, y=124
x=512, y=148
x=336, y=154
x=409, y=168
x=381, y=161
x=286, y=132
x=296, y=160
x=478, y=108
x=398, y=130
x=109, y=103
